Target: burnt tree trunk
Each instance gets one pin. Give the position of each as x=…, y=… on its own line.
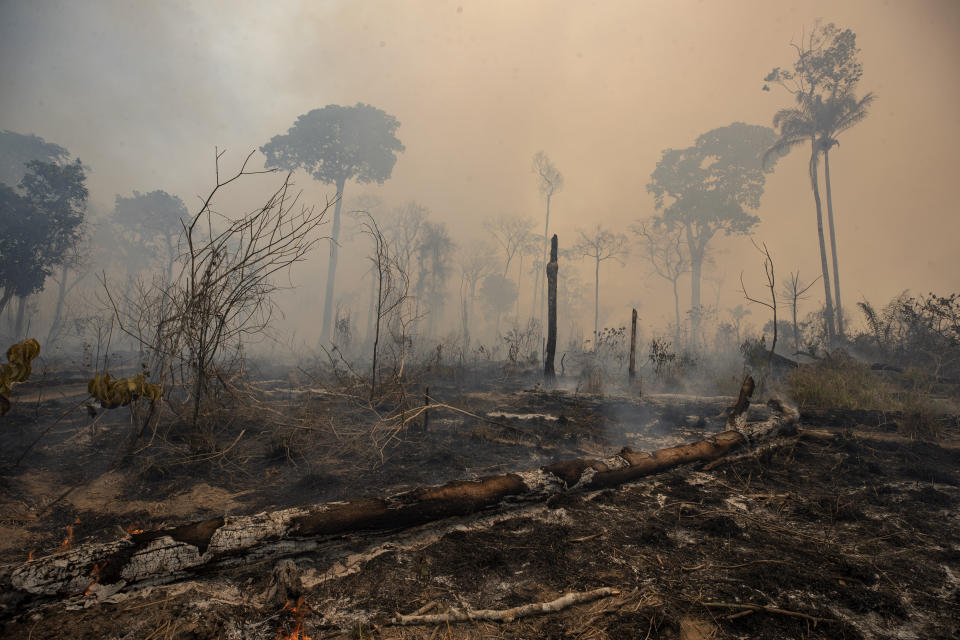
x=549, y=373
x=170, y=554
x=632, y=371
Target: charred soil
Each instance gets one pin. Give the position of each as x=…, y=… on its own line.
x=834, y=534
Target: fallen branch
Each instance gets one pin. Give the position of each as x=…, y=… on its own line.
x=509, y=615
x=170, y=554
x=743, y=606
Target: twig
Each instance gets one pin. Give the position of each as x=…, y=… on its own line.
x=743, y=606
x=508, y=615
x=731, y=566
x=148, y=604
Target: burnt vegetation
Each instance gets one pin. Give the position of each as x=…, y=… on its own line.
x=466, y=447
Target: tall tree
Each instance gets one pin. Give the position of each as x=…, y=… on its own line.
x=666, y=252
x=433, y=256
x=549, y=182
x=823, y=81
x=600, y=245
x=708, y=188
x=794, y=291
x=512, y=233
x=155, y=219
x=336, y=144
x=403, y=231
x=41, y=225
x=839, y=114
x=475, y=262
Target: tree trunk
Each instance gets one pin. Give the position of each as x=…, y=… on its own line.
x=596, y=304
x=58, y=310
x=371, y=309
x=7, y=295
x=473, y=299
x=549, y=372
x=201, y=547
x=696, y=272
x=833, y=244
x=519, y=277
x=379, y=315
x=466, y=326
x=824, y=268
x=546, y=229
x=796, y=329
x=676, y=310
x=332, y=267
x=18, y=327
x=632, y=370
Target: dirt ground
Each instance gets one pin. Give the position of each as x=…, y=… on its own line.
x=851, y=537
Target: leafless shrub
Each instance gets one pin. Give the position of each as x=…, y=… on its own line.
x=193, y=329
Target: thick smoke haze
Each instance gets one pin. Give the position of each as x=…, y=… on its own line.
x=144, y=92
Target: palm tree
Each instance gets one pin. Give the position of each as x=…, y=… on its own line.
x=796, y=126
x=838, y=113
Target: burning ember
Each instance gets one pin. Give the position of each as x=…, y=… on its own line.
x=68, y=541
x=30, y=555
x=299, y=612
x=95, y=575
x=133, y=530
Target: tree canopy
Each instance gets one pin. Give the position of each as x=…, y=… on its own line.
x=336, y=144
x=711, y=185
x=17, y=150
x=40, y=223
x=151, y=223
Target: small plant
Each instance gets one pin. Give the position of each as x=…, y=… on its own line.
x=661, y=355
x=523, y=345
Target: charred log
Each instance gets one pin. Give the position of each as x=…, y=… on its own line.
x=169, y=554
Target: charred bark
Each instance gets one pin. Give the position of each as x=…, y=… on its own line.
x=632, y=371
x=169, y=554
x=549, y=373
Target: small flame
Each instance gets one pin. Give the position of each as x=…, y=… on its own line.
x=299, y=612
x=133, y=530
x=68, y=541
x=95, y=575
x=30, y=555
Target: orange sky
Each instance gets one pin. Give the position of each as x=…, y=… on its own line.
x=143, y=92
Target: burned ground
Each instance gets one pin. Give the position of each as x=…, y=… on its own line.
x=844, y=533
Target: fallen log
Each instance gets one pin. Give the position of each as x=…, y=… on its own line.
x=169, y=554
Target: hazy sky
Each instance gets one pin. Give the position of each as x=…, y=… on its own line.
x=143, y=92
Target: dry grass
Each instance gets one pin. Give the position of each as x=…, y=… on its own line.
x=839, y=382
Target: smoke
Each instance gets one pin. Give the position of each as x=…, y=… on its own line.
x=144, y=93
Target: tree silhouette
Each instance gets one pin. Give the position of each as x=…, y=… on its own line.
x=336, y=144
x=666, y=252
x=512, y=233
x=549, y=182
x=600, y=245
x=708, y=188
x=155, y=219
x=475, y=262
x=17, y=149
x=822, y=81
x=433, y=256
x=41, y=225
